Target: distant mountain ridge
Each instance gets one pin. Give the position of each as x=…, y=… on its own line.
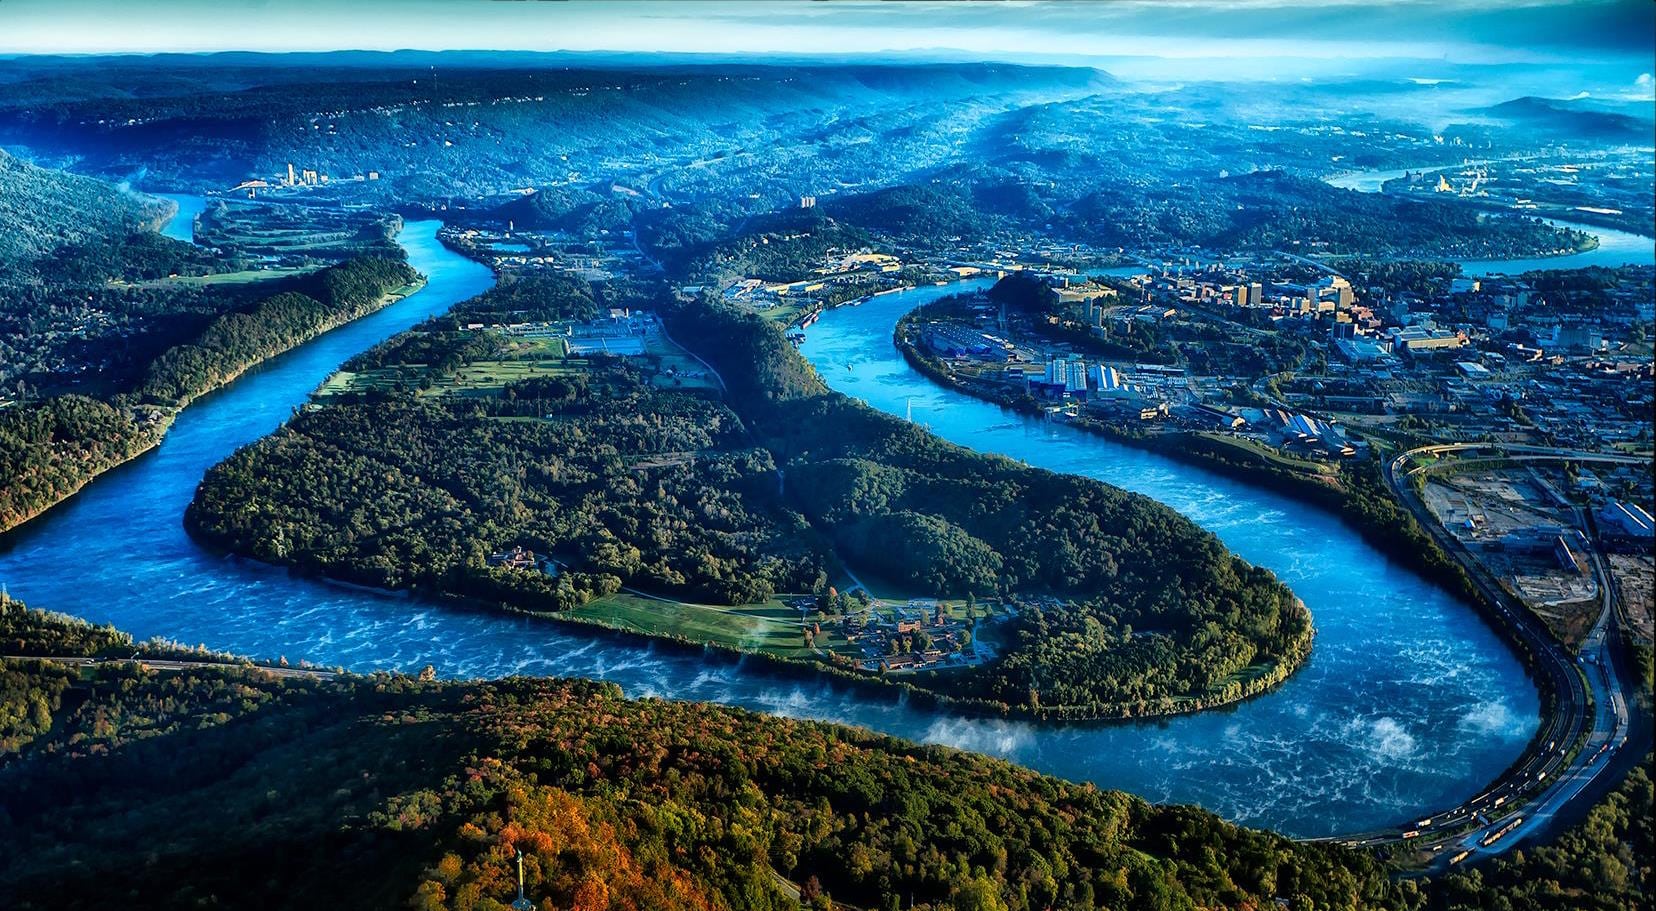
x=460, y=130
x=1582, y=117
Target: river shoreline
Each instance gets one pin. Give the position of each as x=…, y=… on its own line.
x=1176, y=445
x=806, y=670
x=170, y=414
x=149, y=445
x=1336, y=501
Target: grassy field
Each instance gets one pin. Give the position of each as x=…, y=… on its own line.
x=263, y=227
x=245, y=277
x=785, y=314
x=521, y=359
x=678, y=369
x=1271, y=455
x=771, y=627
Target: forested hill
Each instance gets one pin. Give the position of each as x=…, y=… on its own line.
x=46, y=214
x=1163, y=617
x=521, y=125
x=50, y=447
x=227, y=787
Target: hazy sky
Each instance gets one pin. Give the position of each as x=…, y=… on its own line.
x=1460, y=30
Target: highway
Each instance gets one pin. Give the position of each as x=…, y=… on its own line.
x=1589, y=707
x=1517, y=452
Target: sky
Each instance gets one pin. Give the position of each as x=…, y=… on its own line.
x=1472, y=31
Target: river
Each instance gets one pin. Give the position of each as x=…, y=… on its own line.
x=182, y=225
x=1615, y=248
x=1408, y=702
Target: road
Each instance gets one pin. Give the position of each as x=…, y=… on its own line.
x=711, y=370
x=163, y=664
x=1589, y=704
x=1521, y=452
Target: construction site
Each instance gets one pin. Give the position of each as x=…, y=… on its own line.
x=1519, y=524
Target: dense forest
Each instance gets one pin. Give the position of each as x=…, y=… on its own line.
x=47, y=213
x=1157, y=608
x=225, y=785
x=580, y=211
x=1264, y=210
x=309, y=306
x=66, y=228
x=50, y=449
x=625, y=484
x=548, y=296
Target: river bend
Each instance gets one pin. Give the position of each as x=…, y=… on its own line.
x=1408, y=701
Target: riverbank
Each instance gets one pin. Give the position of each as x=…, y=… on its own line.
x=1386, y=524
x=1253, y=681
x=340, y=319
x=146, y=435
x=1357, y=494
x=1614, y=243
x=143, y=439
x=1243, y=686
x=1397, y=536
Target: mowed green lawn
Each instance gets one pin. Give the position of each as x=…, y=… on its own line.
x=785, y=314
x=1269, y=454
x=219, y=278
x=771, y=627
x=521, y=359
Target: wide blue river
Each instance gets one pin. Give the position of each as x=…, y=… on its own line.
x=1408, y=703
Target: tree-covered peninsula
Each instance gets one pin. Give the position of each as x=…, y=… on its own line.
x=458, y=460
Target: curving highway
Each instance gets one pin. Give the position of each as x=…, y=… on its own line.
x=1589, y=706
